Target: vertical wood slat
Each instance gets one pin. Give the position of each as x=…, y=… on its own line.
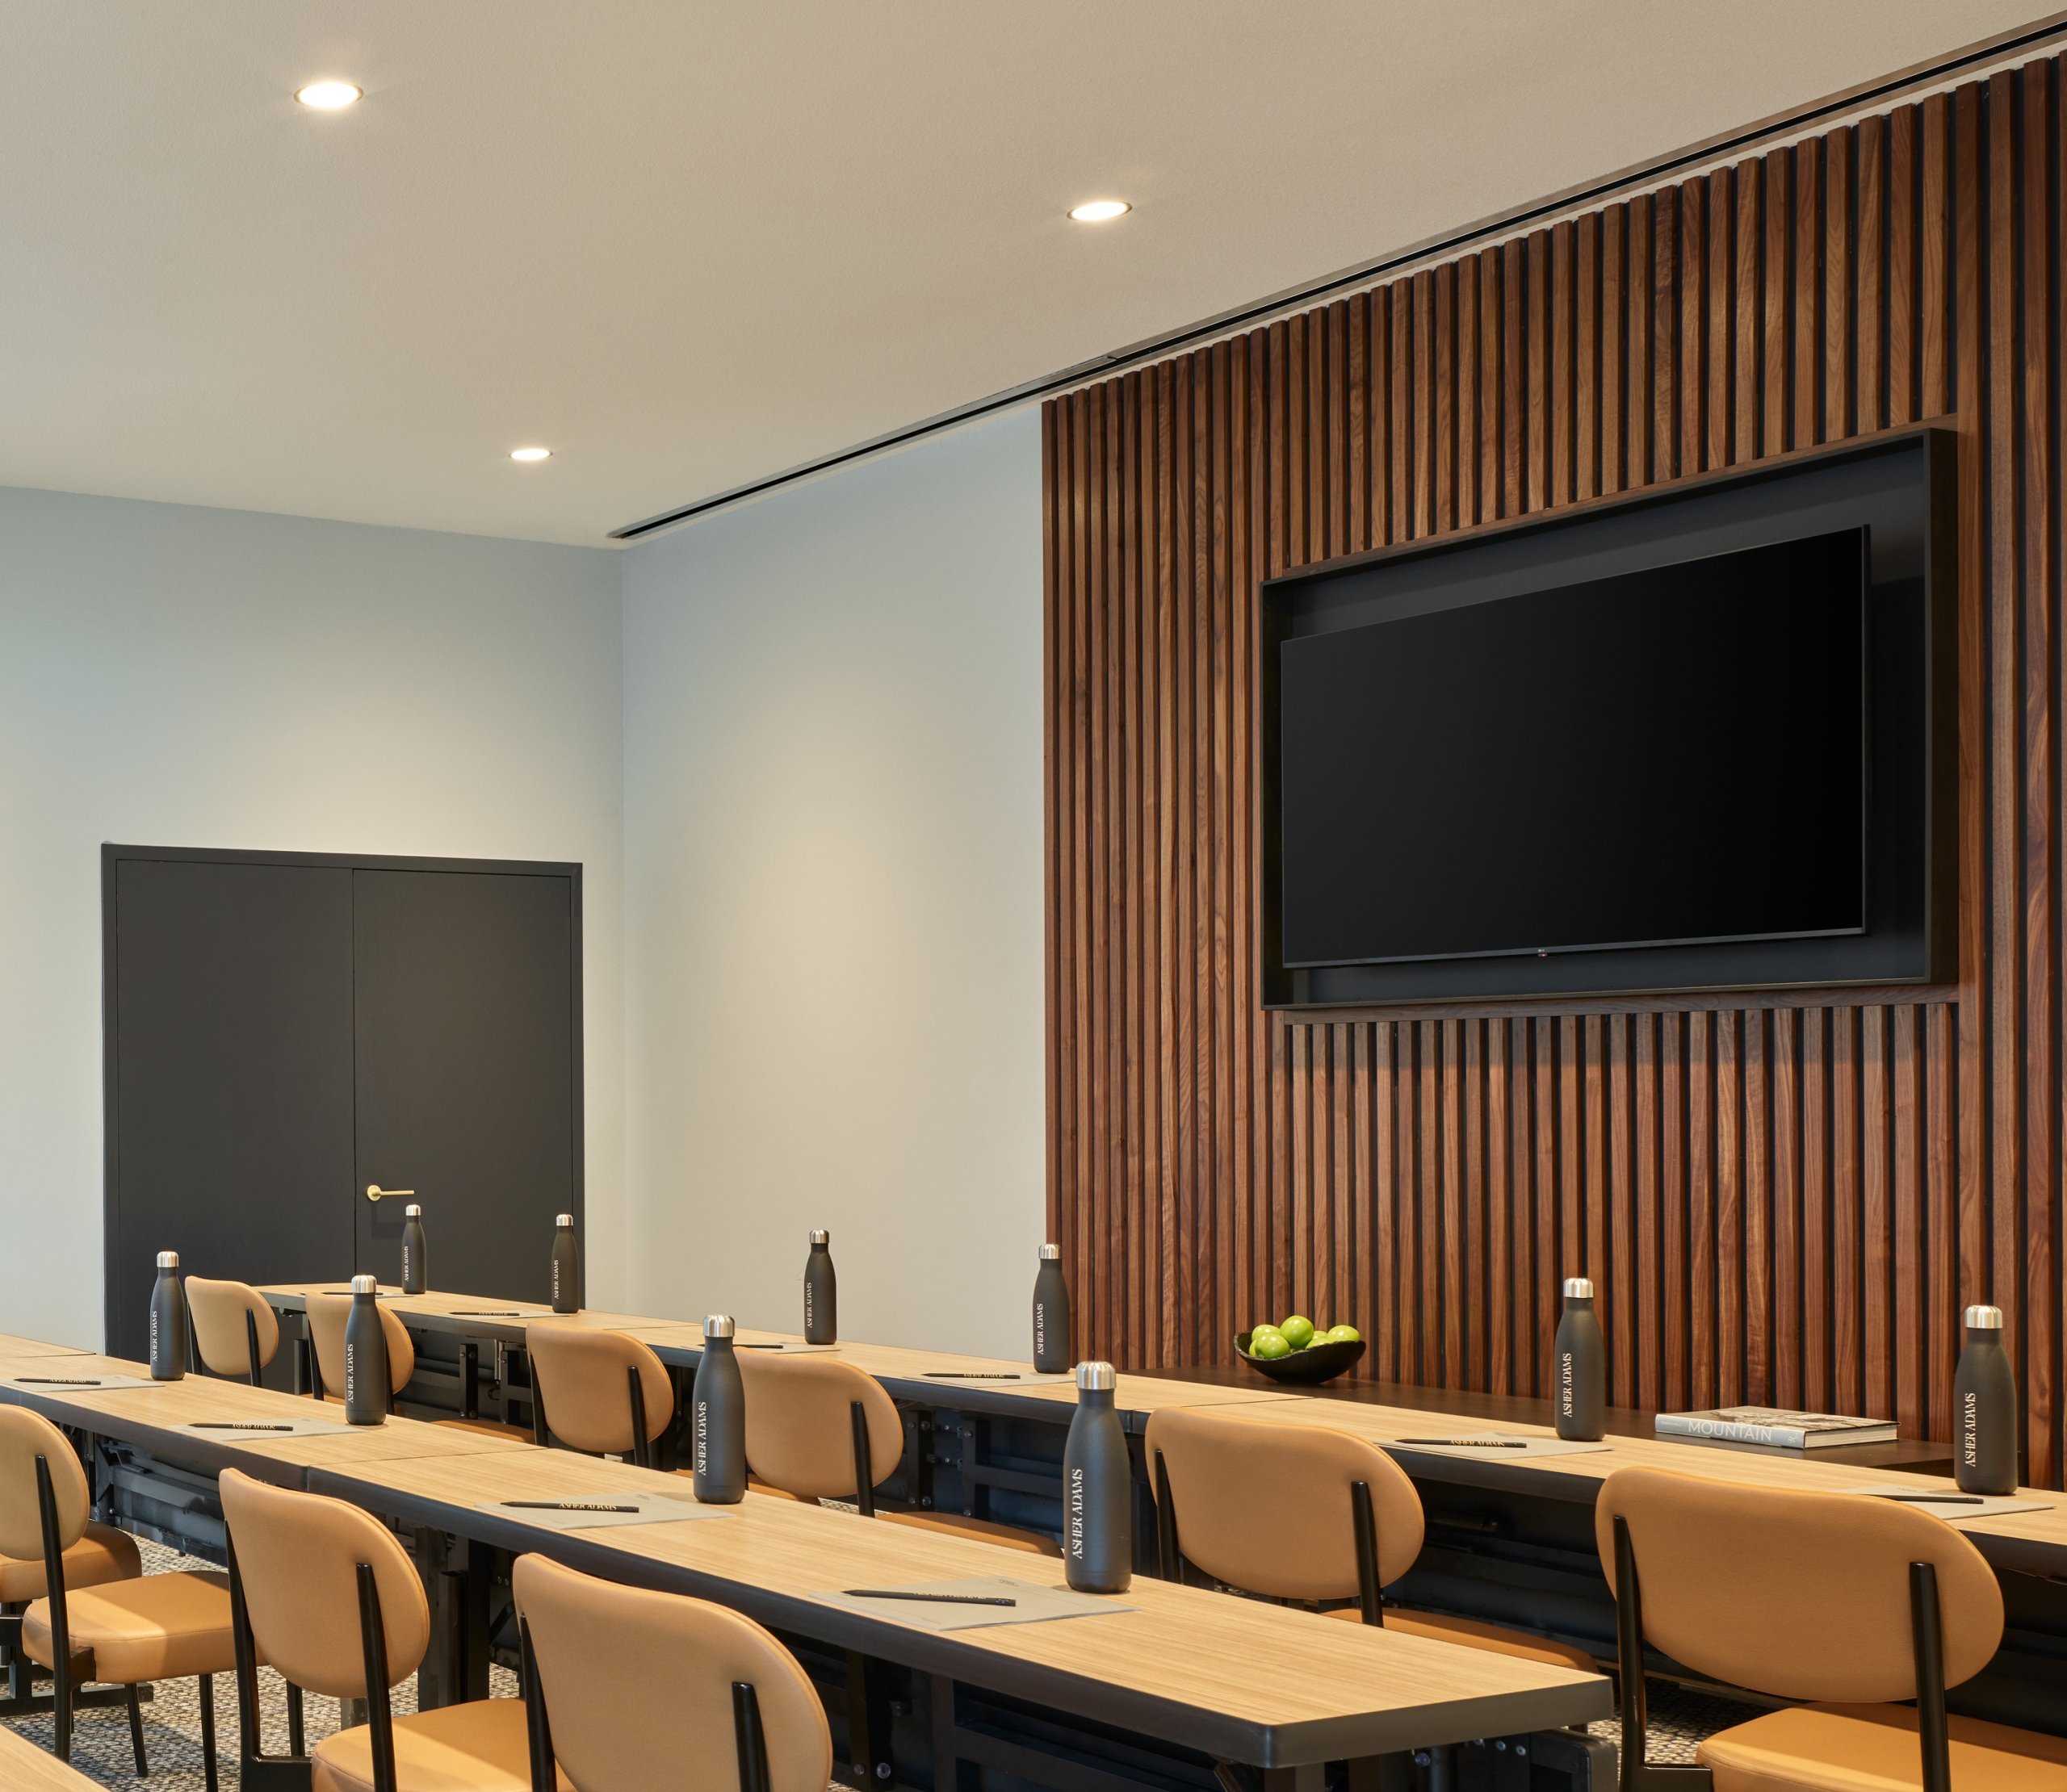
x=1784, y=1202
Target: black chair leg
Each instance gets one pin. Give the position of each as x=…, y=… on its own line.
x=295, y=1737
x=137, y=1731
x=207, y=1730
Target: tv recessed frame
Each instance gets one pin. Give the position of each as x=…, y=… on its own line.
x=1902, y=487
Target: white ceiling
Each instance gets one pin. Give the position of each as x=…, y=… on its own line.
x=688, y=244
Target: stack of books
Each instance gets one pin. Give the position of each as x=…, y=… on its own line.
x=1775, y=1426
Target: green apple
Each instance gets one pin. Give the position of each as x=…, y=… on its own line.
x=1344, y=1334
x=1297, y=1330
x=1268, y=1346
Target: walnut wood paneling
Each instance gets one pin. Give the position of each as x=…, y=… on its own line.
x=1785, y=1203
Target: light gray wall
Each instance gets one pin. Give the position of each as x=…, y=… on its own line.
x=192, y=677
x=833, y=876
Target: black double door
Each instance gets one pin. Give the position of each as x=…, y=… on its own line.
x=285, y=1035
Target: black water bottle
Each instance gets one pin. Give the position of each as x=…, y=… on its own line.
x=1581, y=1379
x=168, y=1321
x=718, y=1417
x=365, y=1356
x=1051, y=1315
x=414, y=1276
x=1984, y=1409
x=1097, y=1488
x=566, y=1266
x=821, y=1292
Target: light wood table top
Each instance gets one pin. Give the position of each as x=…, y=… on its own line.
x=154, y=1418
x=13, y=1346
x=26, y=1768
x=1250, y=1682
x=2014, y=1539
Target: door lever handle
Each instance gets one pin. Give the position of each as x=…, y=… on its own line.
x=375, y=1191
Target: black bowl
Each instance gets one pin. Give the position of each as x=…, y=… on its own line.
x=1316, y=1363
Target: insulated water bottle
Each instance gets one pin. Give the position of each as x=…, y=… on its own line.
x=1051, y=1315
x=1581, y=1379
x=821, y=1292
x=1984, y=1409
x=365, y=1357
x=168, y=1321
x=413, y=1280
x=1097, y=1489
x=719, y=1417
x=566, y=1267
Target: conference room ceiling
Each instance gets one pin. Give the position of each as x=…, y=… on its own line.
x=688, y=245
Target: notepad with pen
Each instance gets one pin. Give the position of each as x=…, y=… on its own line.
x=979, y=1602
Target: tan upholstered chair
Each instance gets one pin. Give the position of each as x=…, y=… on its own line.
x=236, y=1333
x=327, y=1314
x=126, y=1630
x=601, y=1392
x=636, y=1691
x=328, y=1597
x=1850, y=1603
x=1206, y=1468
x=820, y=1428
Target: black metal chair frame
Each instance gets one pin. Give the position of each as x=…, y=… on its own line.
x=70, y=1673
x=749, y=1739
x=1926, y=1640
x=259, y=1771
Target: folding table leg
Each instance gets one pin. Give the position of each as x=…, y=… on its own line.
x=868, y=1720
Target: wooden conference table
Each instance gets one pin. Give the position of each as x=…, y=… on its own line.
x=1197, y=1672
x=26, y=1768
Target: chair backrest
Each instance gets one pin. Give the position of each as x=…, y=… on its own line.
x=799, y=1424
x=327, y=1314
x=23, y=1437
x=1266, y=1508
x=582, y=1378
x=297, y=1557
x=1798, y=1595
x=219, y=1308
x=638, y=1686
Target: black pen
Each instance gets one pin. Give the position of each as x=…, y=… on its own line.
x=1935, y=1499
x=61, y=1381
x=1470, y=1443
x=928, y=1598
x=234, y=1425
x=484, y=1313
x=566, y=1505
x=970, y=1374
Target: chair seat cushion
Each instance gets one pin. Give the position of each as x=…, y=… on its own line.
x=103, y=1554
x=478, y=1747
x=1474, y=1634
x=1010, y=1536
x=162, y=1627
x=1873, y=1748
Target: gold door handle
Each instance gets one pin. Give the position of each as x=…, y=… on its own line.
x=375, y=1191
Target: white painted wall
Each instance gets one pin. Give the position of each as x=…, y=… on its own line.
x=833, y=876
x=194, y=677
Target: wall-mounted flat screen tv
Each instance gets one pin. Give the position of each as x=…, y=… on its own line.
x=1701, y=737
x=1672, y=756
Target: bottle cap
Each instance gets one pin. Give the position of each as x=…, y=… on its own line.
x=821, y=1238
x=413, y=1212
x=366, y=1285
x=563, y=1219
x=1050, y=1254
x=1577, y=1287
x=719, y=1325
x=168, y=1259
x=1095, y=1378
x=1982, y=1319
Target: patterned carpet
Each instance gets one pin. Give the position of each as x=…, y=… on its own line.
x=172, y=1722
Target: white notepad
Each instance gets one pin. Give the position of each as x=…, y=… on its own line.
x=1952, y=1506
x=1032, y=1604
x=578, y=1511
x=1497, y=1446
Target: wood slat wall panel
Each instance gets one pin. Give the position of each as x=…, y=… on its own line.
x=1780, y=1202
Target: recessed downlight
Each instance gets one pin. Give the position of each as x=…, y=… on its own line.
x=1100, y=211
x=531, y=453
x=329, y=96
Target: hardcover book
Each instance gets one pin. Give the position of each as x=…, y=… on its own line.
x=1776, y=1425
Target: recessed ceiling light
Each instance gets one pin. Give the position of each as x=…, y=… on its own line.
x=531, y=453
x=329, y=96
x=1100, y=211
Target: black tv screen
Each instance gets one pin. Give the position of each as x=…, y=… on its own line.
x=1672, y=755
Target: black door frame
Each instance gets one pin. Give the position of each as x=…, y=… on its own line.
x=112, y=856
